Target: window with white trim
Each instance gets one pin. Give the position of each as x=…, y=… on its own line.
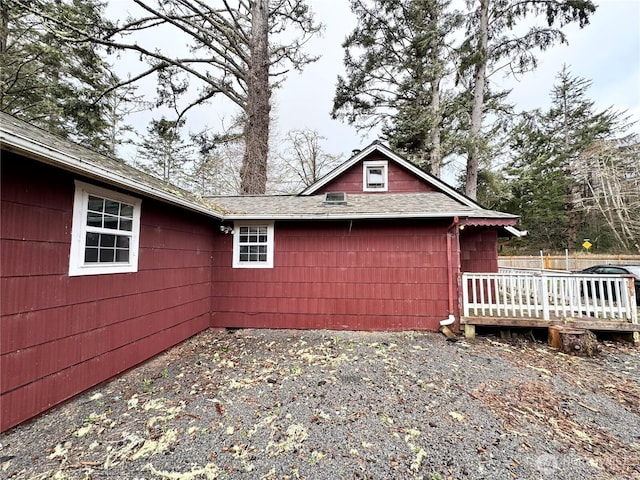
x=253, y=245
x=375, y=176
x=105, y=231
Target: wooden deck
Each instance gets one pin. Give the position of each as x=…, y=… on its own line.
x=629, y=331
x=543, y=299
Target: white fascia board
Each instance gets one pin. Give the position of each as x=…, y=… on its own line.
x=516, y=233
x=52, y=156
x=339, y=170
x=362, y=216
x=429, y=178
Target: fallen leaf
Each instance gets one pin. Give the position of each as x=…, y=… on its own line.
x=458, y=416
x=81, y=432
x=210, y=471
x=581, y=435
x=59, y=451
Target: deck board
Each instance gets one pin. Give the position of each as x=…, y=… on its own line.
x=589, y=324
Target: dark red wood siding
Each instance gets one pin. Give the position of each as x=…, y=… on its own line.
x=60, y=335
x=400, y=180
x=479, y=250
x=385, y=275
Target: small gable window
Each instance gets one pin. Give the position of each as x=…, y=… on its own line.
x=253, y=245
x=104, y=233
x=375, y=176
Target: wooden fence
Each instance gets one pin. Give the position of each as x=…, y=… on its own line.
x=571, y=262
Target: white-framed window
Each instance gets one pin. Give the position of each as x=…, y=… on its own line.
x=105, y=231
x=375, y=176
x=253, y=245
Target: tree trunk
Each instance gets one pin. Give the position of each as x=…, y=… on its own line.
x=435, y=156
x=253, y=174
x=4, y=28
x=479, y=82
x=4, y=39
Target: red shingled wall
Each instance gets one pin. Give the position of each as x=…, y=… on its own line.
x=339, y=275
x=60, y=335
x=479, y=249
x=400, y=180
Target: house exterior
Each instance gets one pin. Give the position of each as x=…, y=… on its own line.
x=103, y=266
x=386, y=255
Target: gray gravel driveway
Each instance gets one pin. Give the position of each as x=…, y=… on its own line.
x=275, y=404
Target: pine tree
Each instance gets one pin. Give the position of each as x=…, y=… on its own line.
x=549, y=171
x=492, y=43
x=400, y=57
x=537, y=185
x=237, y=49
x=49, y=82
x=164, y=152
x=573, y=127
x=396, y=60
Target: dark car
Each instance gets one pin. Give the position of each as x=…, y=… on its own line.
x=614, y=270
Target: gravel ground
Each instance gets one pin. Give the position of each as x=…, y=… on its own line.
x=258, y=404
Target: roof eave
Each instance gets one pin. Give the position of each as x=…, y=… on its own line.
x=479, y=221
x=51, y=156
x=516, y=232
x=364, y=216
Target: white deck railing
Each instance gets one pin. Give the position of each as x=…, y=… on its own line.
x=547, y=295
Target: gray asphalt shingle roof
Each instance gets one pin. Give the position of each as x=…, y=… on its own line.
x=33, y=142
x=36, y=143
x=384, y=205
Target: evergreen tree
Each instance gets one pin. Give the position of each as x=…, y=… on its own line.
x=237, y=49
x=492, y=40
x=396, y=60
x=49, y=82
x=537, y=185
x=400, y=57
x=549, y=171
x=573, y=127
x=164, y=152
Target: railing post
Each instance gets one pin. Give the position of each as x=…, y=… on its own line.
x=633, y=302
x=465, y=294
x=545, y=297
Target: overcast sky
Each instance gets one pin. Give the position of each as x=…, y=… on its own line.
x=607, y=52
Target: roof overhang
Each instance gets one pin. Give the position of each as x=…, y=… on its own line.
x=506, y=224
x=371, y=216
x=516, y=233
x=40, y=151
x=488, y=222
